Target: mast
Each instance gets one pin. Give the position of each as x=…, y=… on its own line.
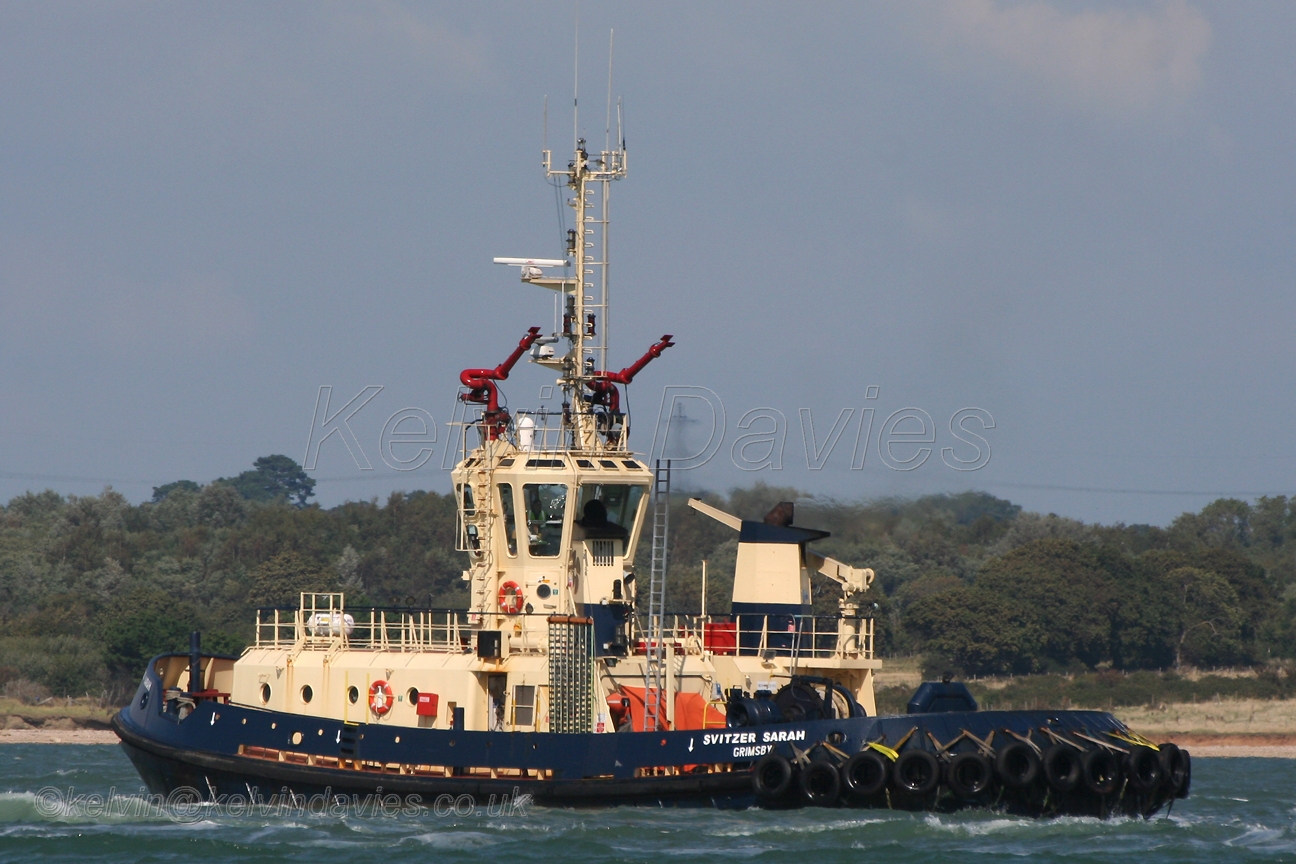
x=585, y=293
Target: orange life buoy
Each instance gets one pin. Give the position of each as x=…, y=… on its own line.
x=380, y=697
x=510, y=598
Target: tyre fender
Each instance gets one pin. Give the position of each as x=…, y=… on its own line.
x=820, y=784
x=771, y=777
x=1100, y=771
x=1143, y=768
x=1062, y=769
x=1017, y=765
x=968, y=775
x=916, y=772
x=1172, y=768
x=864, y=775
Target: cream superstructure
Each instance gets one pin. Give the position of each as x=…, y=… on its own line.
x=551, y=510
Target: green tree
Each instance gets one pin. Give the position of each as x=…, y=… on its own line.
x=274, y=478
x=1223, y=523
x=141, y=624
x=981, y=632
x=161, y=492
x=1064, y=585
x=1256, y=597
x=1209, y=617
x=281, y=580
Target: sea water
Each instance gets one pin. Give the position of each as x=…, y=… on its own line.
x=81, y=803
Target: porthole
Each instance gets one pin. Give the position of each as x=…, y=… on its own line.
x=265, y=694
x=353, y=695
x=543, y=591
x=296, y=738
x=412, y=695
x=307, y=693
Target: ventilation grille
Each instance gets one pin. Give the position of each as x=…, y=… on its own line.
x=603, y=552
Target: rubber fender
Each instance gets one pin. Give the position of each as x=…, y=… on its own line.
x=864, y=775
x=1100, y=771
x=916, y=772
x=819, y=784
x=771, y=777
x=968, y=775
x=1143, y=768
x=1017, y=765
x=1062, y=769
x=1187, y=774
x=1172, y=768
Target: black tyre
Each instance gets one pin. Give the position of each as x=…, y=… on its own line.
x=1062, y=769
x=969, y=775
x=864, y=775
x=1100, y=771
x=1017, y=765
x=820, y=786
x=1187, y=774
x=1143, y=768
x=916, y=772
x=1172, y=768
x=771, y=777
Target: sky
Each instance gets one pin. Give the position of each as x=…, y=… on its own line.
x=1066, y=228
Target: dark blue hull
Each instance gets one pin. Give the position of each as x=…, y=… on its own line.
x=226, y=750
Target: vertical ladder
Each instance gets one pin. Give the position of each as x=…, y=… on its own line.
x=654, y=670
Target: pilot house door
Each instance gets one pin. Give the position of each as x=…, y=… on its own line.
x=496, y=686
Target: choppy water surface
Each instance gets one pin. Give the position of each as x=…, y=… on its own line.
x=1241, y=810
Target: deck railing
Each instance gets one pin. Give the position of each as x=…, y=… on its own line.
x=321, y=623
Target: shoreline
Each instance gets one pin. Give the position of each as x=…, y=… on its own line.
x=57, y=736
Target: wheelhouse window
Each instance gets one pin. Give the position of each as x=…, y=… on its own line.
x=620, y=502
x=546, y=507
x=510, y=520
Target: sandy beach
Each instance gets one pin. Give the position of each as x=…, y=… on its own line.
x=57, y=736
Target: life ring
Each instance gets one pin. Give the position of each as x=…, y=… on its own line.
x=380, y=697
x=510, y=598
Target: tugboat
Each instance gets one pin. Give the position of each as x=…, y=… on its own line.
x=566, y=678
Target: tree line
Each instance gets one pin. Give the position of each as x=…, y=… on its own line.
x=91, y=586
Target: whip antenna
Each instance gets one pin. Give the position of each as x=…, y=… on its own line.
x=576, y=83
x=607, y=129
